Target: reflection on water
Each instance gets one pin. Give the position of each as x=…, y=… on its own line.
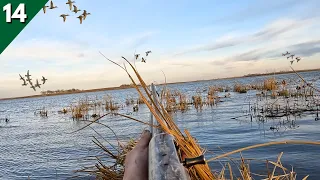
x=42, y=148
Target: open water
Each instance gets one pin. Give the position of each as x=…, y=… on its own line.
x=43, y=148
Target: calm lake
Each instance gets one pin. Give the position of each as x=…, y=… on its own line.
x=43, y=148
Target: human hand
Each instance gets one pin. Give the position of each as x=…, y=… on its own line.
x=136, y=162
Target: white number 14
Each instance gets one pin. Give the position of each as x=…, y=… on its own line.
x=19, y=13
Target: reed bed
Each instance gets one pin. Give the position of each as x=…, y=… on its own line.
x=240, y=88
x=110, y=104
x=80, y=110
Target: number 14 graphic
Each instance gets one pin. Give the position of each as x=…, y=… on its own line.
x=19, y=13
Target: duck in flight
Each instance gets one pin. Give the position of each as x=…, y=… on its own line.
x=80, y=18
x=291, y=62
x=291, y=56
x=34, y=88
x=28, y=76
x=44, y=8
x=44, y=80
x=24, y=83
x=143, y=60
x=70, y=3
x=287, y=53
x=52, y=6
x=85, y=14
x=298, y=59
x=64, y=16
x=21, y=78
x=147, y=53
x=75, y=9
x=137, y=56
x=37, y=84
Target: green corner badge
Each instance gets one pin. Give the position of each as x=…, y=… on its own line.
x=15, y=16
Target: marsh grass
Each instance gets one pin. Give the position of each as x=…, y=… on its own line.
x=240, y=88
x=110, y=104
x=197, y=102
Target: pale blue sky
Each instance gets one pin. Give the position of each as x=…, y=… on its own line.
x=190, y=40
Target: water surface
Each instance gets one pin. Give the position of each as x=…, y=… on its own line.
x=43, y=148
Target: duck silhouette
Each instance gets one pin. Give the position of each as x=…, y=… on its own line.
x=298, y=59
x=37, y=84
x=75, y=9
x=287, y=53
x=44, y=8
x=80, y=18
x=70, y=3
x=44, y=80
x=85, y=14
x=52, y=6
x=147, y=53
x=64, y=16
x=32, y=86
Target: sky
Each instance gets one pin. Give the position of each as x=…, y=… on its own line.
x=189, y=40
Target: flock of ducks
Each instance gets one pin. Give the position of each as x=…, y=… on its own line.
x=143, y=59
x=72, y=7
x=291, y=56
x=28, y=79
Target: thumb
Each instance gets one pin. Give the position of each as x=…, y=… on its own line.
x=145, y=139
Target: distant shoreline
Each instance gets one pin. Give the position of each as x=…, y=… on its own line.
x=128, y=87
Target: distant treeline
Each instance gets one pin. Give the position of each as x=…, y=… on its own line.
x=279, y=72
x=60, y=91
x=128, y=85
x=73, y=90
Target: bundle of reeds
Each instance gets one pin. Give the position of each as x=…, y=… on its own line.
x=110, y=105
x=169, y=101
x=270, y=84
x=182, y=104
x=197, y=102
x=240, y=88
x=116, y=156
x=140, y=101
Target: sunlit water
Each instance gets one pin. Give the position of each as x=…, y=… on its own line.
x=43, y=148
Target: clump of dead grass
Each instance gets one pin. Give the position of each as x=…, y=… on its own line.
x=270, y=84
x=240, y=88
x=110, y=104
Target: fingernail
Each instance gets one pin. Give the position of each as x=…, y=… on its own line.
x=145, y=132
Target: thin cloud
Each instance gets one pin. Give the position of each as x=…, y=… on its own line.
x=268, y=33
x=139, y=40
x=306, y=49
x=181, y=64
x=263, y=8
